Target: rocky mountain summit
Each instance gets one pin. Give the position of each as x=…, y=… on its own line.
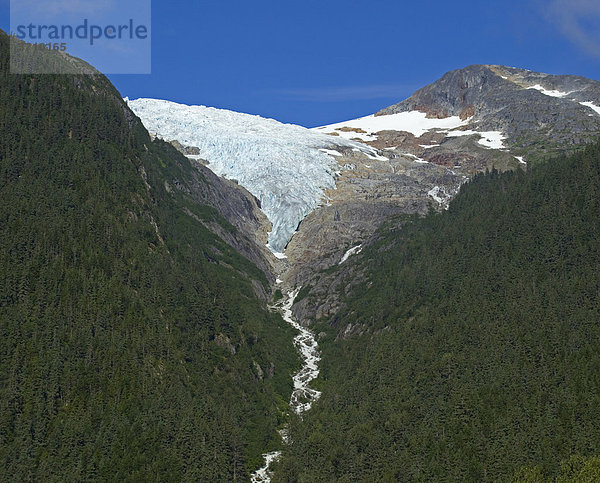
x=537, y=113
x=328, y=189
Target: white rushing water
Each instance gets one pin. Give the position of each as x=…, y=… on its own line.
x=263, y=474
x=303, y=396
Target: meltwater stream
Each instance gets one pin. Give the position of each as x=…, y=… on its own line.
x=303, y=396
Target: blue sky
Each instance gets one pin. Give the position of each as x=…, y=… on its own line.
x=317, y=62
x=122, y=53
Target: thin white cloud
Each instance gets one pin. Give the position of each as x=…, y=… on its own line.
x=337, y=94
x=578, y=21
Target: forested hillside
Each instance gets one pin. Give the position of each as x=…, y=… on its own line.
x=476, y=346
x=132, y=344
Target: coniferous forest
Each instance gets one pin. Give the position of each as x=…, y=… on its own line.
x=478, y=354
x=132, y=344
x=135, y=345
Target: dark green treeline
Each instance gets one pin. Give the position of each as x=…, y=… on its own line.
x=479, y=357
x=132, y=345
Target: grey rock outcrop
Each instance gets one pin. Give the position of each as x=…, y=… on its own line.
x=499, y=98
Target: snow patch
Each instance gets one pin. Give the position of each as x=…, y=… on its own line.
x=591, y=105
x=377, y=157
x=521, y=159
x=416, y=158
x=352, y=251
x=414, y=122
x=550, y=93
x=489, y=139
x=331, y=152
x=492, y=139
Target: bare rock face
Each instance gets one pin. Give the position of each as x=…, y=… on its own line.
x=368, y=191
x=538, y=113
x=365, y=196
x=240, y=208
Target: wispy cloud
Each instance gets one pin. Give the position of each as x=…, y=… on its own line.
x=348, y=93
x=578, y=21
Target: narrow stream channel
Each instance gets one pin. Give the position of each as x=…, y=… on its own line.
x=303, y=396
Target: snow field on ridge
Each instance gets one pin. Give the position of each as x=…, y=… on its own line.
x=414, y=122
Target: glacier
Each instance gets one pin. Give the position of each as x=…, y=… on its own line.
x=286, y=166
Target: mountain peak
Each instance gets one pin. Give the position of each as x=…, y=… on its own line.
x=477, y=90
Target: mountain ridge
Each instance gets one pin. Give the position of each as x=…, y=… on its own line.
x=495, y=95
x=406, y=157
x=136, y=339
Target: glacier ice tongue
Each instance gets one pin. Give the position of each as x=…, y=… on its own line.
x=285, y=166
